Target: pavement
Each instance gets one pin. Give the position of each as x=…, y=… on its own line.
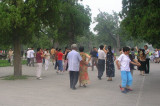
x=54, y=90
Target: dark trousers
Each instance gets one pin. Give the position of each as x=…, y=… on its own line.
x=28, y=61
x=56, y=65
x=94, y=62
x=101, y=67
x=73, y=78
x=147, y=66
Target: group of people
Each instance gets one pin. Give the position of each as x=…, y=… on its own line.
x=77, y=63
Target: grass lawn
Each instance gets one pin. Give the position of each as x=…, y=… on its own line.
x=5, y=63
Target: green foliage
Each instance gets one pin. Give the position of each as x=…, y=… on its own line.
x=107, y=28
x=5, y=63
x=141, y=19
x=11, y=77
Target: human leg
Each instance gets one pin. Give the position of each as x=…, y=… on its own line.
x=71, y=78
x=75, y=79
x=39, y=70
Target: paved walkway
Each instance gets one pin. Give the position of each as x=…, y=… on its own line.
x=54, y=90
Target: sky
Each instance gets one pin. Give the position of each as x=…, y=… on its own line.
x=104, y=6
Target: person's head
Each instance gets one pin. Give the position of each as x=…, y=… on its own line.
x=143, y=52
x=59, y=50
x=94, y=48
x=81, y=48
x=132, y=49
x=126, y=50
x=145, y=47
x=32, y=48
x=38, y=49
x=74, y=46
x=109, y=48
x=47, y=50
x=52, y=47
x=156, y=49
x=56, y=49
x=101, y=47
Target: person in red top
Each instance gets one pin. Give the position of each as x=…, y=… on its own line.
x=39, y=57
x=60, y=57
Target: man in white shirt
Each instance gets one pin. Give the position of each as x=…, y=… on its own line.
x=156, y=54
x=32, y=54
x=147, y=59
x=74, y=59
x=101, y=62
x=28, y=57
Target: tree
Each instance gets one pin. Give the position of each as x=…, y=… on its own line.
x=108, y=28
x=74, y=21
x=21, y=19
x=141, y=19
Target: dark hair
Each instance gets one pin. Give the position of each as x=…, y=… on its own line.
x=101, y=47
x=94, y=47
x=125, y=49
x=59, y=49
x=81, y=48
x=56, y=49
x=109, y=48
x=145, y=46
x=47, y=49
x=132, y=49
x=131, y=57
x=38, y=49
x=66, y=48
x=143, y=51
x=120, y=49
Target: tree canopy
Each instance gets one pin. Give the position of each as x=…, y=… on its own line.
x=141, y=19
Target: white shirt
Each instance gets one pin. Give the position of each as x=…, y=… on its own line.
x=156, y=54
x=125, y=62
x=31, y=53
x=101, y=55
x=147, y=56
x=28, y=54
x=74, y=59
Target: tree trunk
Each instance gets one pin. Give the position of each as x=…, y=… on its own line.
x=17, y=58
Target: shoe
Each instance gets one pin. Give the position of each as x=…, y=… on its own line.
x=39, y=78
x=120, y=87
x=124, y=91
x=84, y=86
x=99, y=78
x=74, y=88
x=128, y=89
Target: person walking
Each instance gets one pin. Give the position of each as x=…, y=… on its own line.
x=147, y=59
x=156, y=54
x=110, y=69
x=53, y=55
x=101, y=61
x=10, y=56
x=83, y=71
x=39, y=57
x=56, y=59
x=123, y=63
x=28, y=57
x=32, y=55
x=94, y=57
x=59, y=61
x=142, y=59
x=65, y=66
x=47, y=59
x=74, y=59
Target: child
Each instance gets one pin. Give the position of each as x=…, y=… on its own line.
x=59, y=61
x=123, y=63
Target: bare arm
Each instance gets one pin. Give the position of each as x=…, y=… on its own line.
x=89, y=58
x=118, y=65
x=135, y=62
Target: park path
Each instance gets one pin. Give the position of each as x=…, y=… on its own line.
x=54, y=90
